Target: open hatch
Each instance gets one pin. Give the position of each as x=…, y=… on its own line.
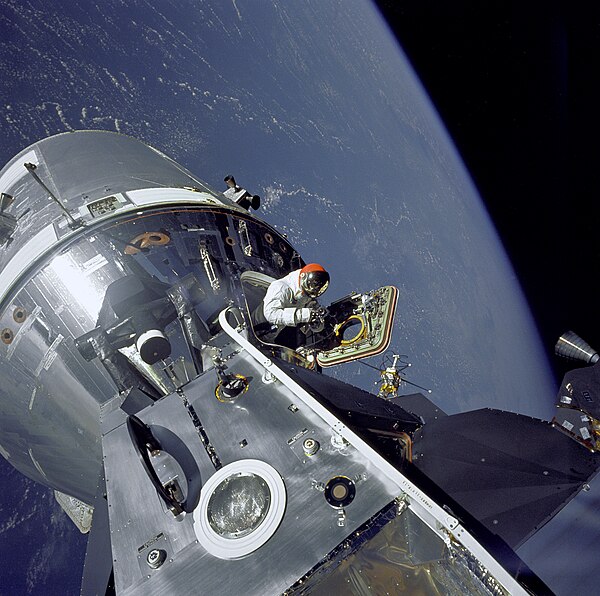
x=355, y=326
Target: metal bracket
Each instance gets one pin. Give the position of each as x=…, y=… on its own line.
x=245, y=238
x=215, y=284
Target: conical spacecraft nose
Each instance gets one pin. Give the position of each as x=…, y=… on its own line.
x=573, y=347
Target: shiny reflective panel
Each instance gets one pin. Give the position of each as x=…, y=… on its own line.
x=396, y=553
x=70, y=332
x=239, y=505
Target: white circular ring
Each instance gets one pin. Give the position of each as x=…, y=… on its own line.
x=147, y=335
x=234, y=548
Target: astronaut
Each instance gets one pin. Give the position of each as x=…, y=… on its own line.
x=292, y=301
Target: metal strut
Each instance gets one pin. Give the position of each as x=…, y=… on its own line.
x=210, y=270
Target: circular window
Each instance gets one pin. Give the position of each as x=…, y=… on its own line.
x=352, y=330
x=241, y=507
x=238, y=505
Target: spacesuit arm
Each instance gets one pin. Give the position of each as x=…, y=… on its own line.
x=276, y=309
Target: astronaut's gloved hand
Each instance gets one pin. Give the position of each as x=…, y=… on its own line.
x=303, y=315
x=316, y=323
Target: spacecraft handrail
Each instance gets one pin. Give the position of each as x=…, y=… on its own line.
x=443, y=524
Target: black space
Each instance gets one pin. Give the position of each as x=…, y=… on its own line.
x=514, y=84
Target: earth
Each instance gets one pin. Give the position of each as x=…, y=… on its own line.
x=314, y=107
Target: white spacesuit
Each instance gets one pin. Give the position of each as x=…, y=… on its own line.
x=291, y=300
x=285, y=303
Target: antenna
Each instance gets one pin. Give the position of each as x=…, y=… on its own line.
x=73, y=223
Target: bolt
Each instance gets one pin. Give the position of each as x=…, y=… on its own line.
x=155, y=558
x=310, y=446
